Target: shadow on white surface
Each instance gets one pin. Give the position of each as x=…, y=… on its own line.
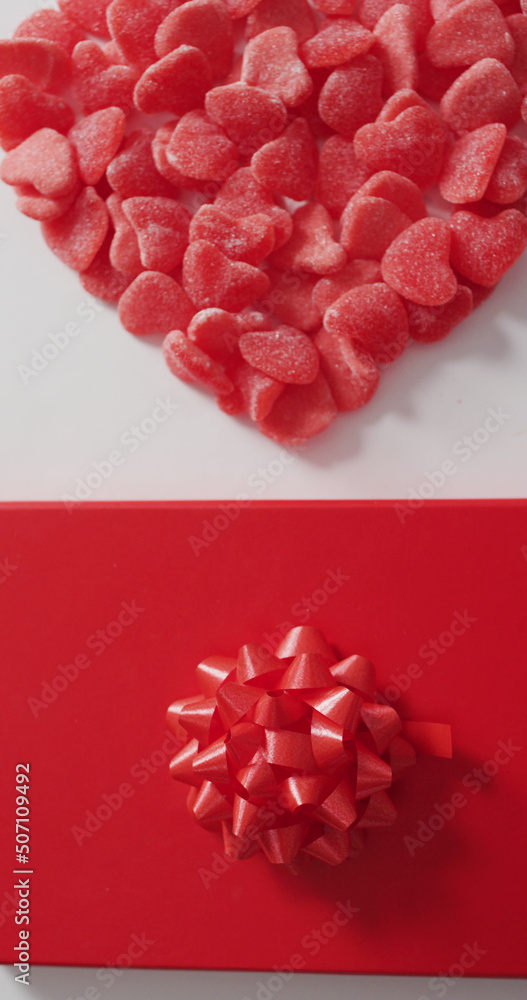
x=82, y=984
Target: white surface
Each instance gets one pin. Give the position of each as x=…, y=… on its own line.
x=74, y=414
x=58, y=423
x=75, y=984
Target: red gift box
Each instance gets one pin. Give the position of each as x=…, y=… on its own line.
x=106, y=612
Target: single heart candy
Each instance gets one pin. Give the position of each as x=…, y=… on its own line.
x=483, y=250
x=288, y=165
x=212, y=280
x=312, y=246
x=271, y=61
x=417, y=264
x=374, y=315
x=154, y=303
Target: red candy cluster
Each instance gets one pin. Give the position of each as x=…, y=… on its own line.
x=286, y=312
x=291, y=752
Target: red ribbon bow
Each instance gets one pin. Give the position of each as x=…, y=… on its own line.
x=293, y=752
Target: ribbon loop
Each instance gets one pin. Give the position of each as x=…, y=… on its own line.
x=292, y=752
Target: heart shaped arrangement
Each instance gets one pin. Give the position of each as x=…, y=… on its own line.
x=272, y=224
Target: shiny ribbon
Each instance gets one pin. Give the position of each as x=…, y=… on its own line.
x=294, y=751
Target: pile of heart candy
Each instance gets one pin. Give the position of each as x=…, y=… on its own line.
x=272, y=224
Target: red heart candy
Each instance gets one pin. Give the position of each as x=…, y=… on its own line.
x=470, y=163
x=78, y=235
x=250, y=116
x=24, y=110
x=124, y=254
x=98, y=84
x=133, y=171
x=483, y=94
x=355, y=274
x=300, y=413
x=242, y=195
x=509, y=180
x=133, y=25
x=430, y=325
x=51, y=26
x=340, y=174
x=396, y=48
x=96, y=140
x=285, y=354
x=483, y=250
x=190, y=364
x=295, y=14
x=349, y=368
x=206, y=25
x=370, y=225
x=417, y=264
x=44, y=63
x=373, y=315
x=412, y=145
x=46, y=161
x=199, y=148
x=472, y=30
x=271, y=61
x=90, y=14
x=312, y=247
x=335, y=43
x=213, y=281
x=177, y=83
x=154, y=303
x=352, y=95
x=288, y=165
x=162, y=229
x=249, y=240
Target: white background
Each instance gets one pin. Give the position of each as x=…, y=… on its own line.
x=54, y=426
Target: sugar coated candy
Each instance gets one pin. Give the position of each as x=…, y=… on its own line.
x=77, y=236
x=312, y=247
x=301, y=412
x=133, y=25
x=340, y=174
x=417, y=264
x=24, y=110
x=352, y=95
x=271, y=61
x=288, y=165
x=211, y=279
x=285, y=354
x=203, y=24
x=154, y=303
x=428, y=325
x=484, y=249
x=374, y=315
x=247, y=178
x=351, y=372
x=186, y=360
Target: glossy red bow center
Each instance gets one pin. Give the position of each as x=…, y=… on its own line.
x=293, y=751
